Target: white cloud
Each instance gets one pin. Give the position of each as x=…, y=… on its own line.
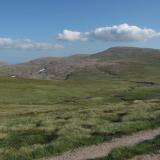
x=122, y=32
x=71, y=36
x=8, y=43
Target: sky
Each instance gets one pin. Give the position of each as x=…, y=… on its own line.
x=31, y=29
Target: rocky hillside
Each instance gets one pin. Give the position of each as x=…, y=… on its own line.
x=120, y=62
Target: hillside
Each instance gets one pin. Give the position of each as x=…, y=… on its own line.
x=42, y=118
x=127, y=53
x=95, y=98
x=121, y=62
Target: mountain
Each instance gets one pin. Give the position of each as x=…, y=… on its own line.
x=116, y=62
x=2, y=63
x=126, y=52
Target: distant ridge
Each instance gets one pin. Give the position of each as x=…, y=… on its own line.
x=126, y=51
x=2, y=63
x=115, y=61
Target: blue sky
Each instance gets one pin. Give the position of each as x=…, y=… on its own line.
x=39, y=28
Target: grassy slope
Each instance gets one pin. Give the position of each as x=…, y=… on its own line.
x=41, y=118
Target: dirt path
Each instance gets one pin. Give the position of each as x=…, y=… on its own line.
x=148, y=157
x=100, y=150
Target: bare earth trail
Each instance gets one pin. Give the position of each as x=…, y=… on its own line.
x=148, y=157
x=101, y=150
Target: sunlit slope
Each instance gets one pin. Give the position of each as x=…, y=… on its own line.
x=117, y=62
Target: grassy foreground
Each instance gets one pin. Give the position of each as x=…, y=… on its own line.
x=44, y=118
x=124, y=153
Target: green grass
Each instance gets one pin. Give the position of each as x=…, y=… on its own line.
x=43, y=118
x=128, y=152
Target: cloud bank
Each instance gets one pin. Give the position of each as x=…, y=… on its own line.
x=122, y=32
x=8, y=43
x=71, y=36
